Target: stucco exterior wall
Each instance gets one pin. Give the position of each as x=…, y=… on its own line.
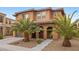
x=50, y=15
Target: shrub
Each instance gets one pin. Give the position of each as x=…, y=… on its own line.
x=39, y=41
x=1, y=36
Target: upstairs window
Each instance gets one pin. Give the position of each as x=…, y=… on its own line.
x=1, y=18
x=24, y=16
x=54, y=14
x=6, y=21
x=9, y=22
x=41, y=15
x=38, y=15
x=78, y=24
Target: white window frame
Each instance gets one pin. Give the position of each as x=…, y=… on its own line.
x=26, y=16
x=41, y=14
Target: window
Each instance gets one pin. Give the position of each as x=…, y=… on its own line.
x=26, y=16
x=23, y=16
x=78, y=25
x=9, y=22
x=38, y=15
x=54, y=13
x=1, y=18
x=6, y=21
x=41, y=15
x=57, y=14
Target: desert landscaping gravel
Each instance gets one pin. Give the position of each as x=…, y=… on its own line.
x=57, y=46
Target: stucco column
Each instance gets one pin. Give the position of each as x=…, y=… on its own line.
x=4, y=30
x=37, y=35
x=45, y=33
x=55, y=35
x=14, y=33
x=4, y=25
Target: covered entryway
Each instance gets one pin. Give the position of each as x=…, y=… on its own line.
x=49, y=32
x=46, y=33
x=41, y=34
x=34, y=35
x=38, y=34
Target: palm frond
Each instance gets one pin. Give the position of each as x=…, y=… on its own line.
x=64, y=25
x=25, y=25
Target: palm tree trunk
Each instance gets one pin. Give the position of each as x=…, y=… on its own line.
x=66, y=42
x=26, y=37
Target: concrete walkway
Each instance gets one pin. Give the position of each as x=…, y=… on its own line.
x=9, y=40
x=4, y=46
x=42, y=45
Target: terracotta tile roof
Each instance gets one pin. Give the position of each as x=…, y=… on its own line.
x=37, y=10
x=2, y=13
x=9, y=19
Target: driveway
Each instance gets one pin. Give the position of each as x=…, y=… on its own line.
x=9, y=40
x=4, y=45
x=4, y=42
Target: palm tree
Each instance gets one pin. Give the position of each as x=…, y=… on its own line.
x=27, y=27
x=66, y=29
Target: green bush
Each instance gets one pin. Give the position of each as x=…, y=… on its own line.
x=39, y=41
x=1, y=36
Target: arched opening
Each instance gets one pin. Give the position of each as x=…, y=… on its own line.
x=18, y=34
x=34, y=35
x=41, y=33
x=49, y=32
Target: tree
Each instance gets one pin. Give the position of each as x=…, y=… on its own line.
x=66, y=29
x=27, y=27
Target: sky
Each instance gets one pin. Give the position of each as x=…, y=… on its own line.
x=9, y=11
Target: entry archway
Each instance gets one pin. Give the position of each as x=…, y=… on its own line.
x=49, y=32
x=34, y=35
x=41, y=33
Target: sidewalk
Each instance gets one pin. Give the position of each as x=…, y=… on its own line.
x=4, y=46
x=42, y=45
x=9, y=40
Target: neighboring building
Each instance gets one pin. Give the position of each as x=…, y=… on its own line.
x=9, y=23
x=76, y=23
x=5, y=25
x=42, y=17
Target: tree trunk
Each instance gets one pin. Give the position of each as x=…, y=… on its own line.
x=66, y=42
x=26, y=37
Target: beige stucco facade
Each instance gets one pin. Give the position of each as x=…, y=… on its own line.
x=5, y=25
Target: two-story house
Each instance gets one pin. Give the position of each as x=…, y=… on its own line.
x=43, y=17
x=5, y=25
